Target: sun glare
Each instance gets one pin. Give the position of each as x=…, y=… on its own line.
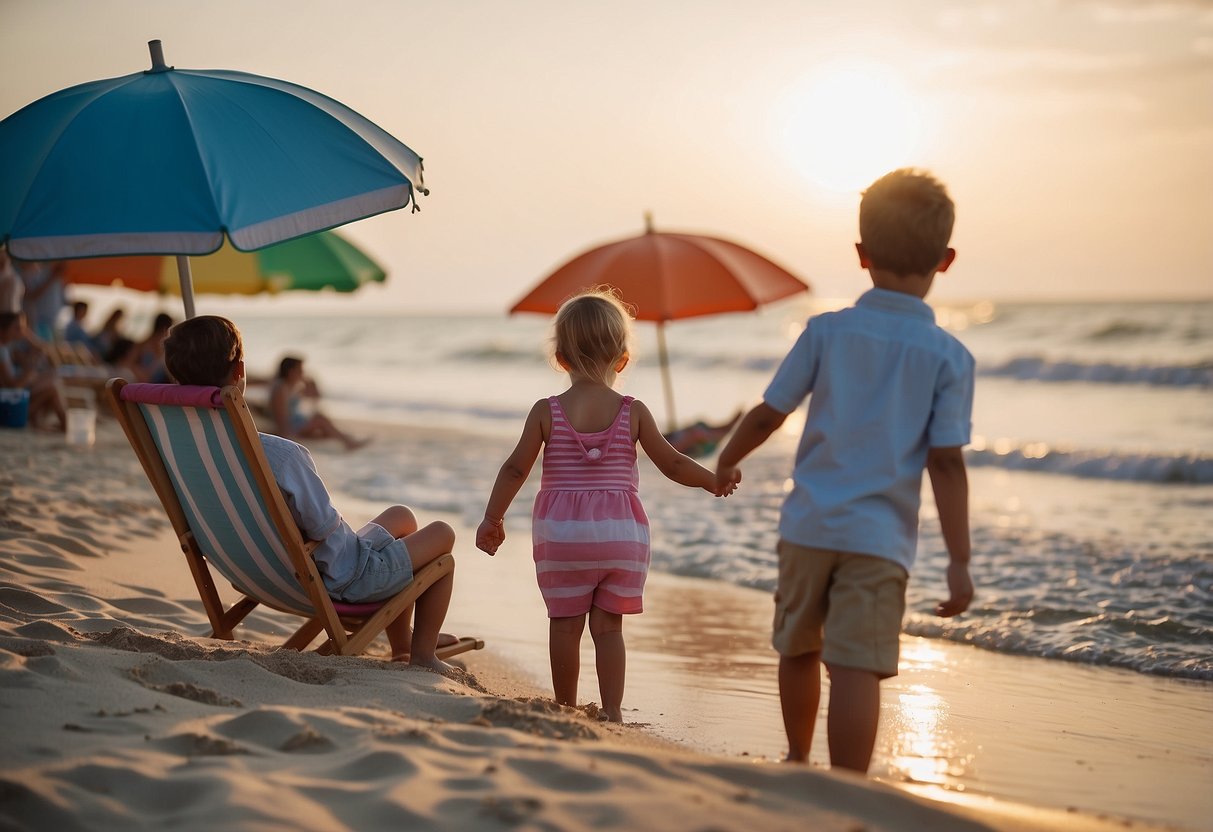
x=847, y=124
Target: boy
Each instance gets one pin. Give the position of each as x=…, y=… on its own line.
x=371, y=565
x=892, y=394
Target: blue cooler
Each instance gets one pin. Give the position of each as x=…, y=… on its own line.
x=14, y=407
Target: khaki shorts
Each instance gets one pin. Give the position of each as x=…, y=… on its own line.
x=847, y=606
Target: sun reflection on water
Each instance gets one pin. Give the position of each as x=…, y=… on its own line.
x=923, y=750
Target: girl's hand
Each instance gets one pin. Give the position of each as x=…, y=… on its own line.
x=490, y=535
x=727, y=478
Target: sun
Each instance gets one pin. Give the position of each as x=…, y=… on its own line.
x=847, y=124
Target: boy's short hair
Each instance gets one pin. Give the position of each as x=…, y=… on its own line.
x=203, y=350
x=905, y=222
x=7, y=319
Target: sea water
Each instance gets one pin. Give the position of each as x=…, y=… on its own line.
x=1091, y=467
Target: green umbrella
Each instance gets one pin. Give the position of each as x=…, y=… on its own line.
x=312, y=263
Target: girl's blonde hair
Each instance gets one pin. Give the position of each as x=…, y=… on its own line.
x=592, y=332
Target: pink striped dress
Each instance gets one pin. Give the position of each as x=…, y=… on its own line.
x=590, y=532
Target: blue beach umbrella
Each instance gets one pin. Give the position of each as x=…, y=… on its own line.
x=168, y=161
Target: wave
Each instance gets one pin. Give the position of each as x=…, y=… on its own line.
x=1193, y=469
x=1171, y=655
x=1035, y=368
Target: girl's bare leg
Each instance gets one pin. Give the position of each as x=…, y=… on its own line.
x=799, y=698
x=610, y=658
x=564, y=652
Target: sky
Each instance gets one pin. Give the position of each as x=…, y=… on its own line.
x=1076, y=136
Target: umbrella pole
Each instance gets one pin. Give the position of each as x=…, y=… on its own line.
x=187, y=284
x=664, y=357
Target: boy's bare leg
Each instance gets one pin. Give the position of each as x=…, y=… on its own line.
x=564, y=652
x=853, y=718
x=799, y=698
x=610, y=658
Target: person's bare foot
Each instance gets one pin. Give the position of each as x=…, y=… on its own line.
x=437, y=665
x=354, y=443
x=444, y=640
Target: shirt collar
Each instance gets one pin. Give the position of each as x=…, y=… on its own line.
x=899, y=303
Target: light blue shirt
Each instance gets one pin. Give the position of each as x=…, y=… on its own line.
x=339, y=555
x=887, y=383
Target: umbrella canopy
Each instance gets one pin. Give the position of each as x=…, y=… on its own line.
x=168, y=161
x=312, y=263
x=668, y=277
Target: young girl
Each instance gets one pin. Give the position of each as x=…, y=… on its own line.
x=589, y=530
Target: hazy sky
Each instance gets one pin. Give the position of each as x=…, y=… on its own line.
x=1076, y=137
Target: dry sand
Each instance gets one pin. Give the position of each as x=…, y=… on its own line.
x=117, y=713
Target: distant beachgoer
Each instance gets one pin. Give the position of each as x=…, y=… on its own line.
x=149, y=353
x=120, y=360
x=110, y=332
x=700, y=439
x=74, y=331
x=372, y=564
x=891, y=393
x=590, y=531
x=288, y=389
x=44, y=295
x=12, y=288
x=17, y=371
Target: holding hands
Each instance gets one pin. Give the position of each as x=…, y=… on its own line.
x=727, y=479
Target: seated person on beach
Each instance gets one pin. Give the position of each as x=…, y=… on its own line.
x=119, y=359
x=26, y=371
x=287, y=392
x=149, y=353
x=372, y=564
x=74, y=331
x=700, y=438
x=109, y=333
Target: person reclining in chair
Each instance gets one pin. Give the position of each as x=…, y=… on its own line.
x=372, y=564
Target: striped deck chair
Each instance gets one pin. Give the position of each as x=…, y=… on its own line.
x=200, y=449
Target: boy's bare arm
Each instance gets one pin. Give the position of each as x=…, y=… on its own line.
x=950, y=483
x=755, y=428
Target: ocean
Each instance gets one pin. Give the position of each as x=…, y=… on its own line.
x=1091, y=469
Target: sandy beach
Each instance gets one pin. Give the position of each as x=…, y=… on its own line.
x=118, y=712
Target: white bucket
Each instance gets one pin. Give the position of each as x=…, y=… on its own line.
x=81, y=426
